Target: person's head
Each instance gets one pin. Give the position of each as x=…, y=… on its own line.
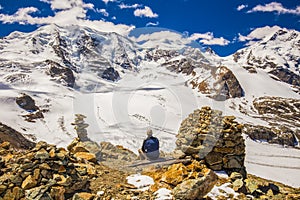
x=149, y=132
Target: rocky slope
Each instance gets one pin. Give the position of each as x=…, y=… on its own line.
x=51, y=173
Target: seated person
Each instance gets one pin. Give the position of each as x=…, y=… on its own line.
x=150, y=148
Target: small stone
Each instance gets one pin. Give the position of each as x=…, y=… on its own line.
x=237, y=184
x=52, y=153
x=5, y=145
x=2, y=188
x=61, y=180
x=58, y=193
x=17, y=192
x=83, y=196
x=86, y=156
x=235, y=175
x=36, y=173
x=61, y=169
x=28, y=183
x=44, y=166
x=42, y=154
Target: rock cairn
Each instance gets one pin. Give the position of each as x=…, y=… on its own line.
x=206, y=135
x=80, y=127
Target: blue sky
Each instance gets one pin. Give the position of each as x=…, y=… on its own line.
x=225, y=25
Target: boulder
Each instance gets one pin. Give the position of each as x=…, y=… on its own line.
x=195, y=188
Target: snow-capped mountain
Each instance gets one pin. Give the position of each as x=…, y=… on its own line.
x=124, y=87
x=278, y=54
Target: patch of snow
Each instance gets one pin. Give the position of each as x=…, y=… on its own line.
x=221, y=174
x=163, y=194
x=141, y=182
x=222, y=191
x=273, y=162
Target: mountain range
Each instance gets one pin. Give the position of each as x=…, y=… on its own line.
x=124, y=86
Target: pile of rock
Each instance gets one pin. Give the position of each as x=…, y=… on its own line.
x=45, y=172
x=80, y=127
x=206, y=135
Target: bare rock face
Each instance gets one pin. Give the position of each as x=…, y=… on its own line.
x=26, y=102
x=283, y=116
x=185, y=66
x=206, y=135
x=278, y=135
x=220, y=85
x=287, y=76
x=110, y=74
x=64, y=75
x=15, y=139
x=157, y=54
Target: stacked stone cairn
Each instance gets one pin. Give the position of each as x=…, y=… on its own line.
x=80, y=127
x=207, y=135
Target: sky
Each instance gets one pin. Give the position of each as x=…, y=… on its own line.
x=223, y=25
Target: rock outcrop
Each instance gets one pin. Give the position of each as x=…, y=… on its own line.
x=220, y=85
x=61, y=74
x=110, y=74
x=278, y=135
x=27, y=103
x=16, y=139
x=218, y=140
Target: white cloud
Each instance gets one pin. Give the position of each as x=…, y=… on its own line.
x=103, y=12
x=145, y=12
x=125, y=6
x=66, y=13
x=1, y=7
x=209, y=39
x=169, y=39
x=275, y=7
x=107, y=1
x=163, y=39
x=63, y=4
x=258, y=34
x=152, y=24
x=241, y=7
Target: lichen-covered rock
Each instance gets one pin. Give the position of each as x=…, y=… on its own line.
x=195, y=188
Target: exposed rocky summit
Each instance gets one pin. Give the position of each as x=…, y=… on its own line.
x=206, y=134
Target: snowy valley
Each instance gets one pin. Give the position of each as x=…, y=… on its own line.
x=124, y=86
